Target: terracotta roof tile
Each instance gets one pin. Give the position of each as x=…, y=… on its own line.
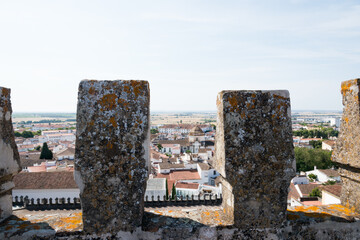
x=184, y=175
x=45, y=180
x=187, y=185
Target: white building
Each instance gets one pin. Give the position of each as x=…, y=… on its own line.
x=331, y=194
x=196, y=135
x=206, y=174
x=324, y=175
x=156, y=187
x=171, y=148
x=187, y=189
x=67, y=153
x=328, y=145
x=300, y=179
x=45, y=185
x=335, y=122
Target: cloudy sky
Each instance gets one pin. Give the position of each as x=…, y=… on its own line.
x=189, y=50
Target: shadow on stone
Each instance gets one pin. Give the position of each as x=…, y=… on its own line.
x=14, y=226
x=153, y=222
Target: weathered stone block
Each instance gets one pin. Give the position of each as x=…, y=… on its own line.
x=111, y=158
x=9, y=156
x=254, y=155
x=347, y=149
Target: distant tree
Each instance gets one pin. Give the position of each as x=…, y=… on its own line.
x=306, y=159
x=322, y=132
x=316, y=144
x=180, y=121
x=37, y=133
x=17, y=134
x=153, y=131
x=329, y=182
x=38, y=148
x=46, y=152
x=312, y=177
x=316, y=192
x=167, y=191
x=159, y=146
x=27, y=134
x=188, y=151
x=173, y=192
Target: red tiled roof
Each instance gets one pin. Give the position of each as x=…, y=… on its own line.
x=293, y=193
x=187, y=185
x=307, y=188
x=45, y=180
x=333, y=189
x=330, y=172
x=184, y=175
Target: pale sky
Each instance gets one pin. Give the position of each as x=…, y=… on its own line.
x=188, y=50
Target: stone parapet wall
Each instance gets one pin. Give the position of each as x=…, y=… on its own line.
x=254, y=155
x=9, y=156
x=347, y=149
x=112, y=153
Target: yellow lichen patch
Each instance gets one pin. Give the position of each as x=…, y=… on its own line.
x=170, y=211
x=130, y=176
x=253, y=96
x=280, y=97
x=233, y=102
x=126, y=88
x=8, y=228
x=109, y=145
x=113, y=122
x=108, y=102
x=242, y=115
x=304, y=209
x=158, y=212
x=5, y=91
x=91, y=90
x=69, y=223
x=37, y=227
x=346, y=120
x=123, y=102
x=345, y=86
x=24, y=225
x=342, y=209
x=206, y=213
x=137, y=85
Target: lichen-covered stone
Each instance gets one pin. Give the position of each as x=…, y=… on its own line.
x=254, y=155
x=347, y=149
x=9, y=156
x=111, y=158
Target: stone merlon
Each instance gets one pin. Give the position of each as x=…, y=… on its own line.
x=112, y=150
x=254, y=155
x=9, y=156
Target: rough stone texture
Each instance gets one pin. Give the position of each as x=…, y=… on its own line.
x=9, y=156
x=347, y=149
x=111, y=158
x=254, y=155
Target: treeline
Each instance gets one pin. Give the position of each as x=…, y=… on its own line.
x=306, y=159
x=27, y=134
x=324, y=133
x=41, y=121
